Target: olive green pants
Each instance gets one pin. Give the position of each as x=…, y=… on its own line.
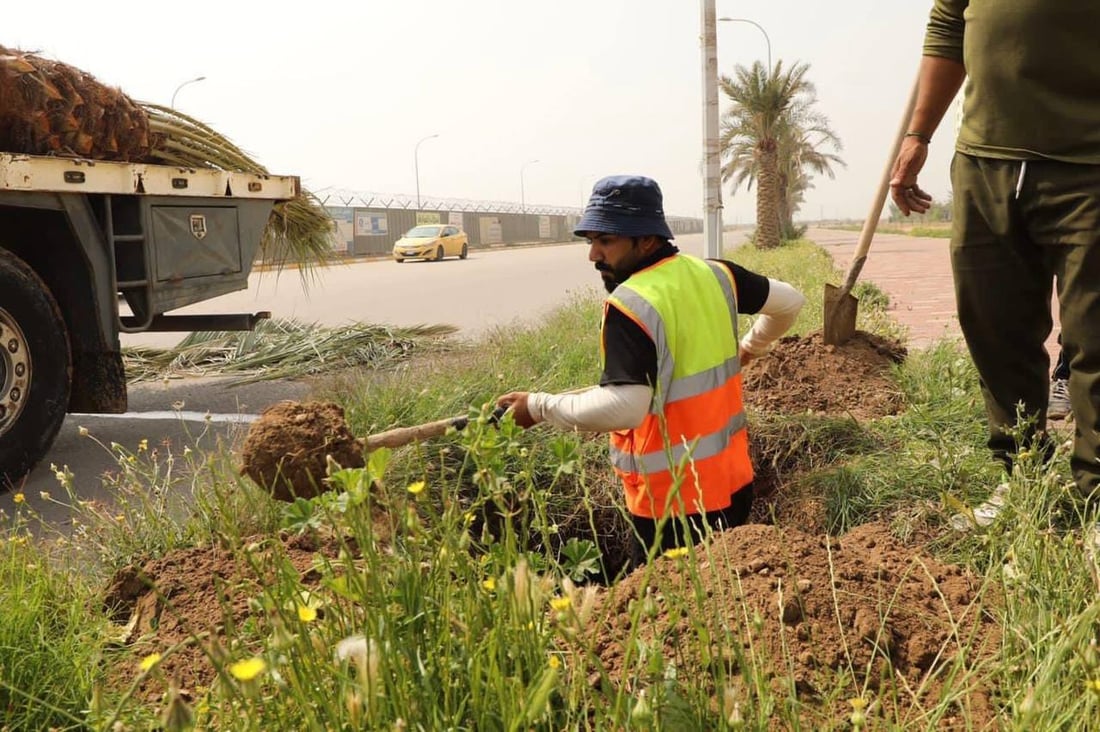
x=1019, y=229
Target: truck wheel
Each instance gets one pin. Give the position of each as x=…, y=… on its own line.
x=35, y=369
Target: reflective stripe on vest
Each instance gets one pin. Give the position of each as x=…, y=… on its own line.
x=688, y=307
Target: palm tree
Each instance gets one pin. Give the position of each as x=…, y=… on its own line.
x=771, y=136
x=801, y=156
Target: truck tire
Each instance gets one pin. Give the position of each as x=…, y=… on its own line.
x=35, y=369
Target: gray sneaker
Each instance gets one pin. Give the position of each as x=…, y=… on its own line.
x=1059, y=406
x=984, y=513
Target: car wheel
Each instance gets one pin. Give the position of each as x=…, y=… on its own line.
x=465, y=252
x=399, y=260
x=439, y=254
x=35, y=369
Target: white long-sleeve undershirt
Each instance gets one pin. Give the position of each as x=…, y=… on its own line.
x=624, y=406
x=599, y=409
x=777, y=315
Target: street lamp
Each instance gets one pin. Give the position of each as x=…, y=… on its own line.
x=177, y=91
x=766, y=39
x=416, y=166
x=522, y=196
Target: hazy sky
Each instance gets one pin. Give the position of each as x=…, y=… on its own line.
x=340, y=92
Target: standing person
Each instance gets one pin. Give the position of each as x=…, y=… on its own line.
x=1026, y=180
x=671, y=381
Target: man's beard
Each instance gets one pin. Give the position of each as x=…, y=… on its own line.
x=611, y=277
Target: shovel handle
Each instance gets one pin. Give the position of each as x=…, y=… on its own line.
x=868, y=231
x=401, y=436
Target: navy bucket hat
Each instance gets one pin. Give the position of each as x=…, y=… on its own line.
x=625, y=205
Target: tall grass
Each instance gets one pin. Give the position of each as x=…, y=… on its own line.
x=49, y=638
x=449, y=600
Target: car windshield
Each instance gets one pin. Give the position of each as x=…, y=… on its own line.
x=423, y=231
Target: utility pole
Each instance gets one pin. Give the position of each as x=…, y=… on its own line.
x=712, y=188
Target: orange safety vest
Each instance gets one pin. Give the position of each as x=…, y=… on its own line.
x=691, y=452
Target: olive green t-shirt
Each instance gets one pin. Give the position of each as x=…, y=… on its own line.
x=1033, y=75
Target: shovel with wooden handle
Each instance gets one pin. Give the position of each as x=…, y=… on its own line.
x=401, y=436
x=840, y=305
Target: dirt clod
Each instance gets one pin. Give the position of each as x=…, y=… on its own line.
x=287, y=448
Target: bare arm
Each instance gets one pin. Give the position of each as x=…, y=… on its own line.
x=940, y=79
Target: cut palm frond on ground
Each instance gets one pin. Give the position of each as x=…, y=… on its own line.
x=50, y=108
x=283, y=349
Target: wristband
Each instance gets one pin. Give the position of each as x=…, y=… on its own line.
x=920, y=136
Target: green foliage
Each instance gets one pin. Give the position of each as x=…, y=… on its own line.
x=772, y=122
x=49, y=637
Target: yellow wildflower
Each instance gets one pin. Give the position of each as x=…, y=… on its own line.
x=1093, y=685
x=416, y=488
x=149, y=661
x=489, y=583
x=143, y=445
x=677, y=553
x=18, y=498
x=247, y=669
x=858, y=718
x=555, y=662
x=307, y=613
x=560, y=604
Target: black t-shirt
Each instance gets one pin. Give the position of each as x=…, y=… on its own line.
x=630, y=356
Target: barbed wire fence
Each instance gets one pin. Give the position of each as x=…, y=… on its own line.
x=408, y=202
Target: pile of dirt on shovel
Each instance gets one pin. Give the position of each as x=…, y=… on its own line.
x=803, y=374
x=287, y=449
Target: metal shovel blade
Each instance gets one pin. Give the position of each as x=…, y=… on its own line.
x=840, y=315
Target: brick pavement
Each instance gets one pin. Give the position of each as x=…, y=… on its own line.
x=916, y=274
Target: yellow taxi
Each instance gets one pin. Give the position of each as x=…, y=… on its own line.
x=432, y=241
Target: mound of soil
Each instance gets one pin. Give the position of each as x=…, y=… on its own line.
x=192, y=594
x=862, y=603
x=286, y=451
x=803, y=374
